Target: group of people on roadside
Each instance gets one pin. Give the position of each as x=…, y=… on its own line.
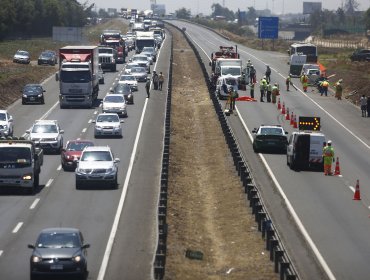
x=157, y=80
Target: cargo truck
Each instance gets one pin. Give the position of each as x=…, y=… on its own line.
x=144, y=39
x=78, y=76
x=20, y=164
x=113, y=39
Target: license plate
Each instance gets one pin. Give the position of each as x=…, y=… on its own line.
x=56, y=266
x=32, y=98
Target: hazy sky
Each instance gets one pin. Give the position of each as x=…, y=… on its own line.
x=204, y=6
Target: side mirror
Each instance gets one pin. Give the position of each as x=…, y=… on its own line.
x=57, y=77
x=63, y=150
x=28, y=131
x=31, y=246
x=286, y=132
x=85, y=246
x=254, y=130
x=121, y=121
x=93, y=121
x=116, y=160
x=61, y=132
x=43, y=90
x=10, y=118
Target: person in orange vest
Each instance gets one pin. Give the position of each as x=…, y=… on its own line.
x=328, y=156
x=304, y=81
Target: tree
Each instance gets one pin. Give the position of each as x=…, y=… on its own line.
x=218, y=10
x=367, y=19
x=351, y=6
x=251, y=15
x=183, y=13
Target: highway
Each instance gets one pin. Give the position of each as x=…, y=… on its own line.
x=119, y=224
x=325, y=231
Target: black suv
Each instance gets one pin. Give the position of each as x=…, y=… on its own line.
x=33, y=93
x=361, y=55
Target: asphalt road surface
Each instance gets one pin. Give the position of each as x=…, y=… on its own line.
x=119, y=224
x=323, y=228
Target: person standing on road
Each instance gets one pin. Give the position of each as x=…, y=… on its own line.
x=147, y=87
x=328, y=155
x=324, y=87
x=268, y=73
x=252, y=75
x=160, y=80
x=252, y=89
x=304, y=81
x=263, y=84
x=368, y=106
x=268, y=91
x=288, y=81
x=155, y=80
x=363, y=104
x=339, y=89
x=234, y=96
x=275, y=92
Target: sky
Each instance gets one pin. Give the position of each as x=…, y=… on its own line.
x=204, y=6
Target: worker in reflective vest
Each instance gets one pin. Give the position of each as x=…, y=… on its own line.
x=328, y=156
x=304, y=81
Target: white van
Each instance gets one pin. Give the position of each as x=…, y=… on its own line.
x=305, y=150
x=230, y=81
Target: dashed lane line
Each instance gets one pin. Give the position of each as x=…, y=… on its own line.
x=49, y=183
x=84, y=130
x=59, y=167
x=17, y=227
x=33, y=205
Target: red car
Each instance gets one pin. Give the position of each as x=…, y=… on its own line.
x=72, y=152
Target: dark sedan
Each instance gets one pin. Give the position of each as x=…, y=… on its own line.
x=46, y=57
x=270, y=138
x=33, y=93
x=59, y=251
x=72, y=152
x=124, y=89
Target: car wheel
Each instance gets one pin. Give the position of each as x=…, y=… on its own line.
x=255, y=149
x=33, y=277
x=42, y=101
x=293, y=165
x=115, y=184
x=78, y=185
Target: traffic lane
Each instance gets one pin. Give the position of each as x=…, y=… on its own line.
x=134, y=248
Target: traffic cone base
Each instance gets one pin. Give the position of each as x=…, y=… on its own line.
x=287, y=114
x=292, y=119
x=283, y=109
x=337, y=168
x=295, y=125
x=279, y=105
x=357, y=195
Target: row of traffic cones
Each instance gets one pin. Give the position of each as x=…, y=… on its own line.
x=292, y=118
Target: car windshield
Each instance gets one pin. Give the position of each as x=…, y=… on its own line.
x=106, y=51
x=2, y=117
x=47, y=54
x=122, y=88
x=233, y=71
x=58, y=240
x=108, y=118
x=44, y=128
x=32, y=88
x=78, y=146
x=22, y=53
x=138, y=70
x=271, y=131
x=230, y=82
x=96, y=156
x=139, y=58
x=148, y=49
x=127, y=78
x=114, y=99
x=129, y=66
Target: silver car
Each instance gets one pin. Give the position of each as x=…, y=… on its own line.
x=47, y=134
x=108, y=124
x=115, y=103
x=97, y=165
x=22, y=57
x=6, y=124
x=139, y=73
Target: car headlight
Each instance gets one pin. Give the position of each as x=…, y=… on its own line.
x=5, y=126
x=27, y=177
x=36, y=259
x=39, y=95
x=117, y=128
x=24, y=95
x=98, y=127
x=77, y=258
x=80, y=170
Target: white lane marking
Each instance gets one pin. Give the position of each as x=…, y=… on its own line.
x=95, y=112
x=33, y=205
x=114, y=228
x=90, y=121
x=292, y=211
x=352, y=188
x=49, y=183
x=78, y=138
x=59, y=167
x=84, y=130
x=17, y=227
x=1, y=252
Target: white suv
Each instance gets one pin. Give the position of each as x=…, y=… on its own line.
x=97, y=165
x=6, y=123
x=47, y=134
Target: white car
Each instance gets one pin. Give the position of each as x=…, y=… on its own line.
x=108, y=124
x=6, y=124
x=142, y=60
x=115, y=103
x=129, y=80
x=149, y=56
x=22, y=57
x=97, y=165
x=47, y=134
x=129, y=66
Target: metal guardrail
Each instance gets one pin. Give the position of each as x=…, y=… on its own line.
x=278, y=254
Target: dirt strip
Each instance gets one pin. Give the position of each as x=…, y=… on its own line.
x=207, y=210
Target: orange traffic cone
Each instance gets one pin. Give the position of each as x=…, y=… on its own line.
x=287, y=117
x=295, y=125
x=283, y=109
x=357, y=195
x=279, y=105
x=291, y=119
x=337, y=168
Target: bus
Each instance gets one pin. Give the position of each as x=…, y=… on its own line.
x=301, y=53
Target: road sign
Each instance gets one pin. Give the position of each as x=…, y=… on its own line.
x=268, y=27
x=309, y=123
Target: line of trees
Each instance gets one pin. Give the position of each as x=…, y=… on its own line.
x=37, y=17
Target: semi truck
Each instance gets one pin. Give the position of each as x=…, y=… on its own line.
x=113, y=39
x=20, y=164
x=78, y=76
x=144, y=39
